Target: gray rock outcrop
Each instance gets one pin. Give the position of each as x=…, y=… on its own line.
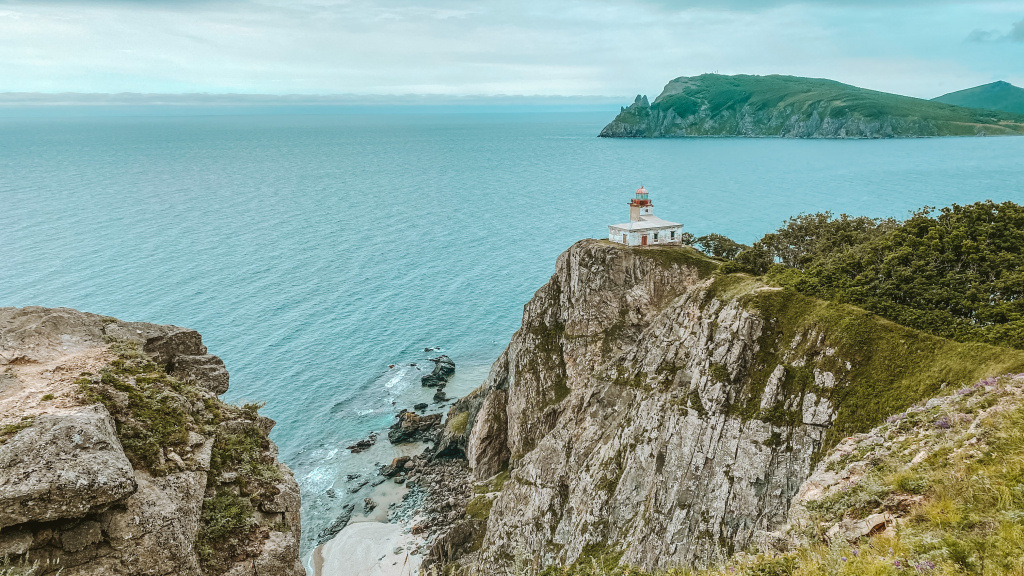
x=412, y=427
x=82, y=489
x=648, y=409
x=63, y=466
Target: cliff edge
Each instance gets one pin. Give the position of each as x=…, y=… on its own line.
x=118, y=457
x=655, y=412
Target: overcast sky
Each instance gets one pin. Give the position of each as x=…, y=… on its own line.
x=577, y=47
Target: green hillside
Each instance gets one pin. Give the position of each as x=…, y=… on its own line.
x=995, y=96
x=790, y=106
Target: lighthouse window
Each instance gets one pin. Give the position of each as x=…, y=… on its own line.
x=655, y=236
x=672, y=235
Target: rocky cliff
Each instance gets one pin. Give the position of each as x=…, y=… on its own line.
x=117, y=457
x=793, y=107
x=655, y=412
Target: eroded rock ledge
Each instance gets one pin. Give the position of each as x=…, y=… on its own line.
x=117, y=457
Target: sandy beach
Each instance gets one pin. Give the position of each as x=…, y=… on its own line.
x=368, y=549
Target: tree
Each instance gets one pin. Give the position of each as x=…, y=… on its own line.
x=719, y=246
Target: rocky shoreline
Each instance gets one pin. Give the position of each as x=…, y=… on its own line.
x=435, y=491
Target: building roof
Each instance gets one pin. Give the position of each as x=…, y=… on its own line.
x=646, y=223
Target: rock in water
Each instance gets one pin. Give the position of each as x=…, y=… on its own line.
x=444, y=368
x=412, y=427
x=364, y=444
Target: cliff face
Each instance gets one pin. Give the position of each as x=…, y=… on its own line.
x=792, y=107
x=653, y=411
x=117, y=457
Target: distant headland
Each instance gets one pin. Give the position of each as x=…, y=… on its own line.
x=795, y=107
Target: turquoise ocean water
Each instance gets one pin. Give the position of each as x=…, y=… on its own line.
x=312, y=251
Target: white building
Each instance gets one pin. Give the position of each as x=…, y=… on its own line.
x=644, y=228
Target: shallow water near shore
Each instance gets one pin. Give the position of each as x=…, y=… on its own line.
x=314, y=251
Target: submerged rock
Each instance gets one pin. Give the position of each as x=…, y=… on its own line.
x=339, y=523
x=364, y=444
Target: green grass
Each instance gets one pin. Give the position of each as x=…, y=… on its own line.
x=479, y=508
x=995, y=96
x=8, y=431
x=154, y=414
x=892, y=366
x=457, y=424
x=681, y=256
x=495, y=484
x=777, y=98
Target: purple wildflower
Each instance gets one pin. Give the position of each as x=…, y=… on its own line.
x=897, y=564
x=896, y=418
x=925, y=566
x=844, y=558
x=855, y=552
x=943, y=423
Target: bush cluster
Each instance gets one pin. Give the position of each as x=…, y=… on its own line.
x=956, y=272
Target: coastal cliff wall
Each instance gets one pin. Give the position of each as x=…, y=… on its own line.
x=656, y=412
x=117, y=457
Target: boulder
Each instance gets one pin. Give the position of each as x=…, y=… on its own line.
x=397, y=465
x=412, y=427
x=853, y=530
x=444, y=368
x=165, y=347
x=206, y=370
x=363, y=444
x=63, y=466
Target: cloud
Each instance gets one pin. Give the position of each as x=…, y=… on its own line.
x=978, y=35
x=1016, y=34
x=584, y=47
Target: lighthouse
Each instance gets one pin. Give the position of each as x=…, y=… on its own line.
x=644, y=228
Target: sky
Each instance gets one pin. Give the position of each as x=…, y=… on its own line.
x=499, y=47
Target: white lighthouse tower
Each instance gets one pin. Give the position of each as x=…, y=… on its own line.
x=644, y=228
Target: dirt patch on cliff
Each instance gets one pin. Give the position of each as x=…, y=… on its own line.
x=30, y=388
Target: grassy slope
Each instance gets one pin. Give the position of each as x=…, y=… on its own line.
x=721, y=96
x=892, y=366
x=960, y=507
x=995, y=96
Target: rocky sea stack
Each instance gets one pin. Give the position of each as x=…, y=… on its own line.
x=118, y=457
